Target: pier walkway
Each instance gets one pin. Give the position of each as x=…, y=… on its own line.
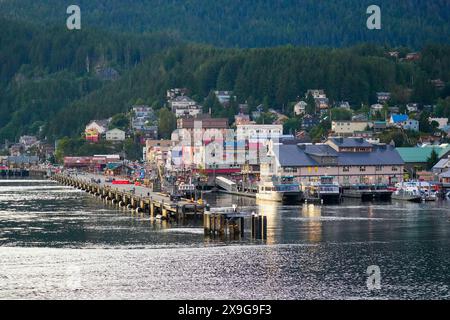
x=139, y=198
x=157, y=205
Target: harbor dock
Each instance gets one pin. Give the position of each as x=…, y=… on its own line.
x=136, y=198
x=160, y=206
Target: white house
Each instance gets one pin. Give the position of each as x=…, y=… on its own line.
x=443, y=122
x=259, y=130
x=412, y=107
x=316, y=94
x=224, y=97
x=28, y=141
x=143, y=112
x=115, y=135
x=344, y=105
x=300, y=108
x=184, y=106
x=175, y=92
x=377, y=107
x=383, y=97
x=442, y=166
x=410, y=124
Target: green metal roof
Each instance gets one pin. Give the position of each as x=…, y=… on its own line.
x=421, y=154
x=113, y=166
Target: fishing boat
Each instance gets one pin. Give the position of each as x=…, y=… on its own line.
x=324, y=190
x=405, y=195
x=408, y=191
x=284, y=192
x=430, y=194
x=367, y=192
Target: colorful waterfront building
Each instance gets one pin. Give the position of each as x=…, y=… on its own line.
x=349, y=160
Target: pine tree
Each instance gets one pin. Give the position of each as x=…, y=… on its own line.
x=432, y=159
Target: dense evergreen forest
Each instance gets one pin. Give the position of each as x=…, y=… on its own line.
x=45, y=70
x=53, y=81
x=255, y=23
x=275, y=77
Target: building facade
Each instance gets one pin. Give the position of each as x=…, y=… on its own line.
x=349, y=160
x=115, y=135
x=348, y=128
x=184, y=106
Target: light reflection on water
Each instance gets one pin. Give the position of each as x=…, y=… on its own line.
x=51, y=235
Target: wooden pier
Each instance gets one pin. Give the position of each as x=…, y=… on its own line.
x=156, y=205
x=232, y=224
x=221, y=224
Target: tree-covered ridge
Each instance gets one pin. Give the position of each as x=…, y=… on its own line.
x=44, y=70
x=256, y=23
x=274, y=77
x=50, y=84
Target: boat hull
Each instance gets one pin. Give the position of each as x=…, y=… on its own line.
x=328, y=198
x=407, y=198
x=282, y=197
x=368, y=195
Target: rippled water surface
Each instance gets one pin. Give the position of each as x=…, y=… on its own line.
x=61, y=243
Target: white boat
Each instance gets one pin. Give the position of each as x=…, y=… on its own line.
x=429, y=195
x=324, y=190
x=406, y=195
x=279, y=192
x=415, y=191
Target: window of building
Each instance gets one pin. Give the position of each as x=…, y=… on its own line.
x=378, y=168
x=346, y=169
x=394, y=169
x=362, y=169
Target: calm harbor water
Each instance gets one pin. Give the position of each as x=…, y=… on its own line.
x=61, y=243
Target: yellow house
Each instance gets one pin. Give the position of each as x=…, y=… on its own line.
x=348, y=128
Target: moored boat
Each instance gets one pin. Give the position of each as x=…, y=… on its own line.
x=406, y=196
x=367, y=192
x=428, y=191
x=324, y=190
x=279, y=192
x=407, y=191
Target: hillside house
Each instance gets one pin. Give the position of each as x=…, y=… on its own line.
x=383, y=97
x=300, y=108
x=115, y=135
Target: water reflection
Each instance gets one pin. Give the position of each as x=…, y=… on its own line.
x=271, y=211
x=314, y=223
x=311, y=251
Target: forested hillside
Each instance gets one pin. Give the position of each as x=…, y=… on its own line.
x=255, y=23
x=53, y=81
x=275, y=77
x=44, y=70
